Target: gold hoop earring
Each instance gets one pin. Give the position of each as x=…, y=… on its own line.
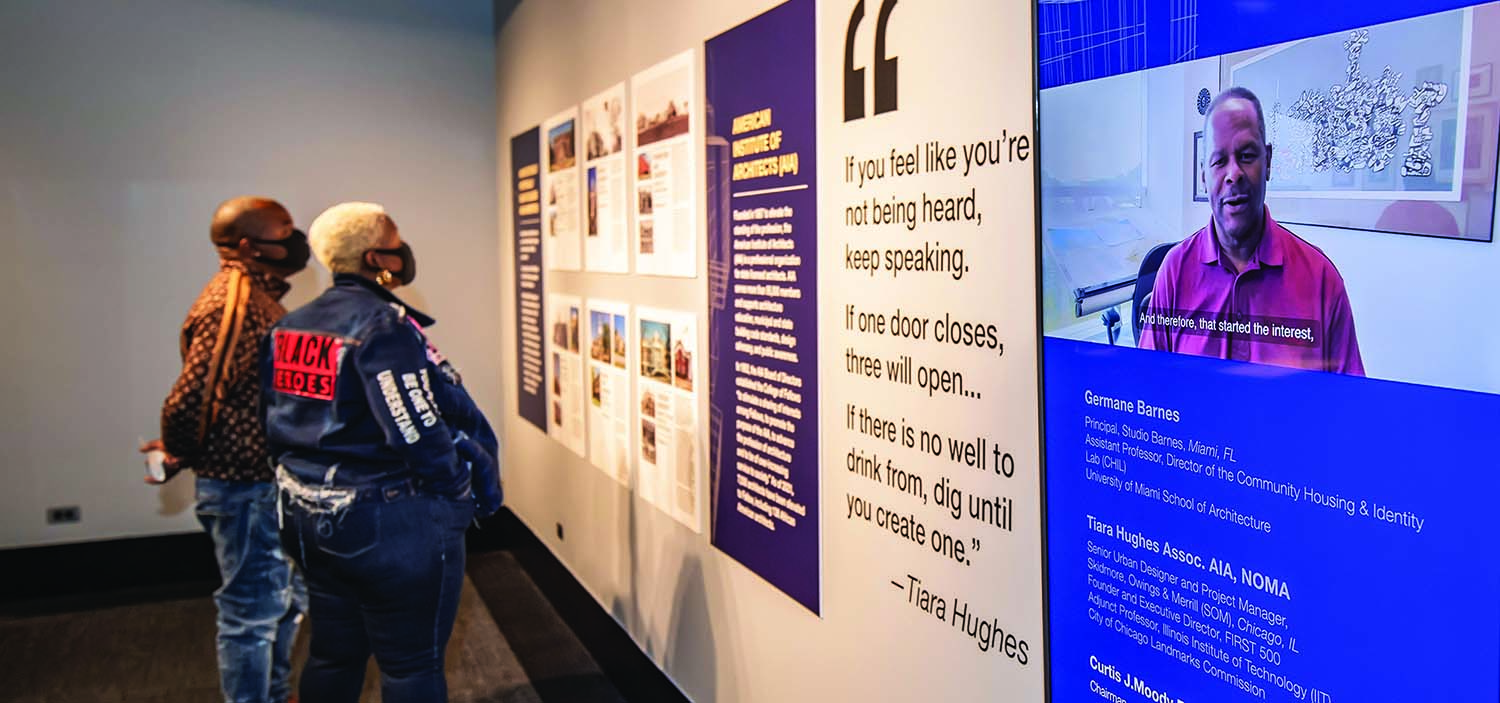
x=384, y=278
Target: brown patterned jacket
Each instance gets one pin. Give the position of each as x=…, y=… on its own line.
x=218, y=433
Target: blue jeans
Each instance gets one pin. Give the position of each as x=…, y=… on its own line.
x=262, y=597
x=383, y=577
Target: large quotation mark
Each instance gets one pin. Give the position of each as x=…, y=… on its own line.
x=885, y=68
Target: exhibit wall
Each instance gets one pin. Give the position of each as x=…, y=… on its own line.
x=821, y=483
x=126, y=124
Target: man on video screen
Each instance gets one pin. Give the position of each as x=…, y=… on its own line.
x=1244, y=287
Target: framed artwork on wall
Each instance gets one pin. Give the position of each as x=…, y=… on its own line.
x=1482, y=81
x=1200, y=191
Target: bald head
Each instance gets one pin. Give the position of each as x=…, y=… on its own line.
x=246, y=217
x=1245, y=99
x=1236, y=166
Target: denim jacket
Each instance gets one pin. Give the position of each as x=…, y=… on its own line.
x=354, y=395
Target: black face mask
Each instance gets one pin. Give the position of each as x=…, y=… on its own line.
x=297, y=251
x=408, y=272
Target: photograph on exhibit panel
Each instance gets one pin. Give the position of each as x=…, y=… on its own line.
x=604, y=123
x=607, y=182
x=560, y=148
x=663, y=104
x=562, y=206
x=667, y=153
x=610, y=409
x=669, y=459
x=569, y=382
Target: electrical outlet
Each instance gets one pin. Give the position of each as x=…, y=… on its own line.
x=559, y=531
x=62, y=514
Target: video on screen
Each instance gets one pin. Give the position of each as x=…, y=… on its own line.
x=1326, y=203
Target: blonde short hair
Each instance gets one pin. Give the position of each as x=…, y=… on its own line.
x=343, y=233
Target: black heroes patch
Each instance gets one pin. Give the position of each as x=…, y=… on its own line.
x=306, y=364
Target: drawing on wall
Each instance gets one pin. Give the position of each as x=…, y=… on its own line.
x=1359, y=124
x=1370, y=127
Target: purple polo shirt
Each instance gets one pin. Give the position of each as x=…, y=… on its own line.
x=1288, y=307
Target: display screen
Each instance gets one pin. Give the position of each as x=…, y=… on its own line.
x=1271, y=380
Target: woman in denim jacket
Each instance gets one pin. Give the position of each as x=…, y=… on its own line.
x=382, y=461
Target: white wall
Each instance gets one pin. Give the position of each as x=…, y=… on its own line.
x=1169, y=193
x=126, y=123
x=710, y=623
x=1423, y=307
x=718, y=630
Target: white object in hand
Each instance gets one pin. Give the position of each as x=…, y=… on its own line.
x=154, y=464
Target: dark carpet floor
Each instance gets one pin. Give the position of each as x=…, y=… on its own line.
x=509, y=646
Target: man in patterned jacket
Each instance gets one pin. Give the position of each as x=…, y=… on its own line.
x=210, y=423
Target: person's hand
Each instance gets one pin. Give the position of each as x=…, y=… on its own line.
x=484, y=475
x=169, y=463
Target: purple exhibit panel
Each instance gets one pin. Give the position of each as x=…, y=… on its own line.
x=762, y=260
x=531, y=386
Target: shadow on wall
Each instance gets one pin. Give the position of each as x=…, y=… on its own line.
x=689, y=655
x=626, y=608
x=692, y=648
